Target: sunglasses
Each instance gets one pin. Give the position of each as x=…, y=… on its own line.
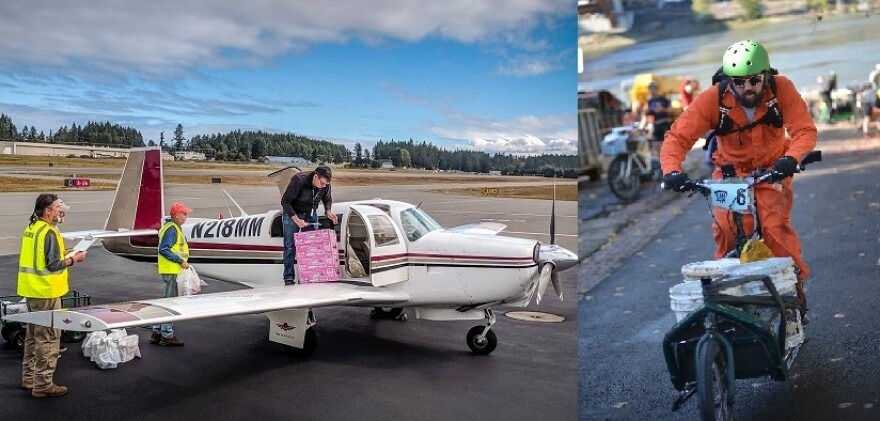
x=739, y=82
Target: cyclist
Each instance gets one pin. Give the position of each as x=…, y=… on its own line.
x=755, y=107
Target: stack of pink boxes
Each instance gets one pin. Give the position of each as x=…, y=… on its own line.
x=316, y=256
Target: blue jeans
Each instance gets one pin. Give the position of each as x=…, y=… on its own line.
x=290, y=228
x=165, y=329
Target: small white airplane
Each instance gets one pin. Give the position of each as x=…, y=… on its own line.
x=392, y=256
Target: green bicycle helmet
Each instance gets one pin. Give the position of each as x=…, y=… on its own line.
x=745, y=58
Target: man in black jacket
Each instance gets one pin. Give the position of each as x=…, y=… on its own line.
x=300, y=206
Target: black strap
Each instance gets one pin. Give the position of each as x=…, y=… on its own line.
x=773, y=116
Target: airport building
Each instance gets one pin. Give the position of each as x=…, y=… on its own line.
x=58, y=149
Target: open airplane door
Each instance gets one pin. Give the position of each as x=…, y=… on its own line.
x=388, y=261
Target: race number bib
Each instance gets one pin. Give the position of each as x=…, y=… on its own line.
x=737, y=197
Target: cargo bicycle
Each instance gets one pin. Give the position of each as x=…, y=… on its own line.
x=732, y=334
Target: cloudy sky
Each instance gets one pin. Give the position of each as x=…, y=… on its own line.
x=492, y=75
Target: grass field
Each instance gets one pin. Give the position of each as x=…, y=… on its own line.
x=346, y=178
x=563, y=192
x=16, y=184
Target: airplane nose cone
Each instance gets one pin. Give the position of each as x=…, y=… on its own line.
x=562, y=258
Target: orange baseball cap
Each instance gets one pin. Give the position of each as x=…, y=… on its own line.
x=180, y=208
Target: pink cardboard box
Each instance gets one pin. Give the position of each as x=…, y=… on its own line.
x=311, y=274
x=317, y=257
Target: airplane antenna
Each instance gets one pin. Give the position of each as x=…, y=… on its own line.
x=240, y=210
x=553, y=213
x=420, y=205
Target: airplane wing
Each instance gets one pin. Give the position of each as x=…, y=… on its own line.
x=485, y=228
x=248, y=301
x=87, y=238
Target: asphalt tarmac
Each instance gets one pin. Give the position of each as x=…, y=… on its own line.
x=623, y=374
x=364, y=369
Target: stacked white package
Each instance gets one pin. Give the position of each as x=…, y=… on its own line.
x=687, y=296
x=109, y=350
x=779, y=269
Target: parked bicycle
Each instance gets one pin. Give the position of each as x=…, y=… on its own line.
x=633, y=161
x=735, y=335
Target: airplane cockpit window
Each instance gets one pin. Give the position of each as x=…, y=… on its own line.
x=417, y=223
x=383, y=230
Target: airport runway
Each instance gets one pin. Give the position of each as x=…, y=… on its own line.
x=363, y=369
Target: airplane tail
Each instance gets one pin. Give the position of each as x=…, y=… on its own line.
x=282, y=177
x=139, y=200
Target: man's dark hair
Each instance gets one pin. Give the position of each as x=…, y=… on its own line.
x=43, y=201
x=324, y=171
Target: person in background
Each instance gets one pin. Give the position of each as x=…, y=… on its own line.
x=299, y=205
x=867, y=98
x=688, y=89
x=874, y=77
x=42, y=281
x=173, y=257
x=659, y=108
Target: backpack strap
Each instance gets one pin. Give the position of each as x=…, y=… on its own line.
x=773, y=116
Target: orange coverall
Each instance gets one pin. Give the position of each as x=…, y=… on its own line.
x=748, y=150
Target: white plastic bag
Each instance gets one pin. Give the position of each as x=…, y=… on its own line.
x=109, y=350
x=90, y=344
x=188, y=282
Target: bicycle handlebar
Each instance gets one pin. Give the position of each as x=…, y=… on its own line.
x=758, y=176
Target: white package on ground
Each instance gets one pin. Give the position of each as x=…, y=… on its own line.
x=109, y=350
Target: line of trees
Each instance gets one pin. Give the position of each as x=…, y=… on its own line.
x=240, y=145
x=410, y=154
x=92, y=133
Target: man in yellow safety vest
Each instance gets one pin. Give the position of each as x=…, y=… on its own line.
x=173, y=256
x=42, y=281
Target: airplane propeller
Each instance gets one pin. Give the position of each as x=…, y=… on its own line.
x=548, y=273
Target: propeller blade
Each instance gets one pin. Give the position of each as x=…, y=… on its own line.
x=543, y=280
x=553, y=214
x=557, y=284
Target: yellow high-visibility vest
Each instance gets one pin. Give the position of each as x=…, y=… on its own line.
x=34, y=278
x=180, y=248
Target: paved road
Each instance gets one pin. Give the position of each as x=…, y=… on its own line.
x=623, y=375
x=363, y=370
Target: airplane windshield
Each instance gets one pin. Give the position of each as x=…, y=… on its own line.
x=417, y=223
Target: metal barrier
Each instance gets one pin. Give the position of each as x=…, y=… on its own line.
x=589, y=141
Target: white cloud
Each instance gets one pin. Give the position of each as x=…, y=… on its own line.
x=527, y=135
x=166, y=37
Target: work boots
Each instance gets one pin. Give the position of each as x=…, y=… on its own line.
x=172, y=341
x=51, y=392
x=154, y=337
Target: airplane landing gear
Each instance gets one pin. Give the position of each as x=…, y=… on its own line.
x=388, y=313
x=310, y=344
x=480, y=339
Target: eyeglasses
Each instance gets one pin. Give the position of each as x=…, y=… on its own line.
x=739, y=82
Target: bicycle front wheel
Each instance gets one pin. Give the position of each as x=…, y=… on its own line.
x=713, y=382
x=624, y=178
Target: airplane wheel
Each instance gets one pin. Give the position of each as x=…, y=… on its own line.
x=72, y=336
x=310, y=344
x=387, y=313
x=6, y=333
x=483, y=346
x=17, y=338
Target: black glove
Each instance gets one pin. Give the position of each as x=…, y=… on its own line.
x=786, y=166
x=675, y=181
